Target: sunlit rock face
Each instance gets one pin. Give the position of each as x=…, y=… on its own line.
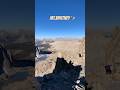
x=62, y=68
x=65, y=76
x=71, y=50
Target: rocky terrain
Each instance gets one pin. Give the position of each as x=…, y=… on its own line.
x=69, y=71
x=102, y=62
x=20, y=45
x=22, y=79
x=102, y=59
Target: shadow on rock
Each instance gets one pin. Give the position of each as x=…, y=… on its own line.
x=65, y=76
x=23, y=63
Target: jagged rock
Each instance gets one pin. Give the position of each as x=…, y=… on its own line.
x=64, y=77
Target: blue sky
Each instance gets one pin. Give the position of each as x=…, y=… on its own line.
x=103, y=14
x=45, y=28
x=17, y=14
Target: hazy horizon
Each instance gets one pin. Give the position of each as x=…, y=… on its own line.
x=64, y=38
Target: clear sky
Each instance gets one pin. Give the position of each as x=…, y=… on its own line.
x=17, y=14
x=103, y=14
x=45, y=28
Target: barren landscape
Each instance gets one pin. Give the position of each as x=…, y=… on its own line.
x=20, y=46
x=71, y=50
x=101, y=61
